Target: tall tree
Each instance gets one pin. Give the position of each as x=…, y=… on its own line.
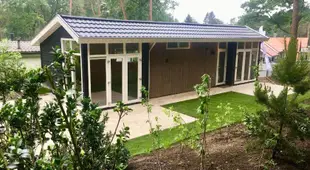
x=122, y=5
x=211, y=19
x=189, y=19
x=151, y=10
x=295, y=18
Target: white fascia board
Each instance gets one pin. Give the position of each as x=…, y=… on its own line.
x=50, y=28
x=164, y=40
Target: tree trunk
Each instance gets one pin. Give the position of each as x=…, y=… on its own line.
x=121, y=2
x=70, y=7
x=295, y=19
x=151, y=10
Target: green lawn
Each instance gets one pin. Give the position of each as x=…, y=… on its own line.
x=238, y=103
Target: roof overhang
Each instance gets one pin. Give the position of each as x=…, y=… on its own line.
x=50, y=28
x=164, y=40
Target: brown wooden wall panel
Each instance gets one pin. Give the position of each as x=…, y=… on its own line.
x=177, y=71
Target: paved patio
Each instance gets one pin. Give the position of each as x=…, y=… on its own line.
x=137, y=120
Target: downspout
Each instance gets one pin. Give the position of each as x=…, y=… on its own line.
x=151, y=47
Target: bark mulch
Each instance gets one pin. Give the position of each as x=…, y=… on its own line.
x=227, y=148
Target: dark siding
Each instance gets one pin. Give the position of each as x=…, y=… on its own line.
x=177, y=71
x=51, y=42
x=85, y=69
x=145, y=65
x=231, y=59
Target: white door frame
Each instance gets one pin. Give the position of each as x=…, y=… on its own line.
x=217, y=66
x=244, y=51
x=125, y=58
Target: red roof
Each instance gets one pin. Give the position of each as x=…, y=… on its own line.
x=275, y=45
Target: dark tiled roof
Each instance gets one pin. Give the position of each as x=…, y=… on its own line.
x=25, y=47
x=86, y=27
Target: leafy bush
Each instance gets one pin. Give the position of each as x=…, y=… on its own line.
x=67, y=133
x=11, y=72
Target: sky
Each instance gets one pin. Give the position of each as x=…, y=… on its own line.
x=223, y=9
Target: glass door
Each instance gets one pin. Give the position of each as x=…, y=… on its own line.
x=116, y=79
x=247, y=66
x=244, y=66
x=132, y=78
x=221, y=67
x=239, y=66
x=98, y=81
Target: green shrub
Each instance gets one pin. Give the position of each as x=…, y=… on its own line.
x=67, y=133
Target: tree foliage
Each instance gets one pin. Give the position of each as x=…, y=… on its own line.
x=274, y=15
x=25, y=18
x=211, y=19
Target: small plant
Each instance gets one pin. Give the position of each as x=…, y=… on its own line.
x=203, y=91
x=154, y=131
x=187, y=136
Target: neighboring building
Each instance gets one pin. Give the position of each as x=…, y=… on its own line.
x=30, y=54
x=118, y=57
x=275, y=47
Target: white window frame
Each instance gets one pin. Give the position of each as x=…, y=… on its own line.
x=178, y=46
x=219, y=50
x=73, y=74
x=244, y=50
x=125, y=57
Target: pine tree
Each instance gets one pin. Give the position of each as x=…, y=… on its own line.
x=189, y=19
x=211, y=19
x=285, y=121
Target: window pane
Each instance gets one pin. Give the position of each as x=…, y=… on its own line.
x=133, y=78
x=239, y=66
x=78, y=73
x=246, y=66
x=248, y=45
x=116, y=78
x=116, y=48
x=132, y=48
x=75, y=47
x=172, y=45
x=253, y=64
x=255, y=44
x=240, y=45
x=221, y=67
x=98, y=81
x=222, y=45
x=183, y=45
x=66, y=45
x=96, y=49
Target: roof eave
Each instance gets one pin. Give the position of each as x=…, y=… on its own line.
x=51, y=27
x=164, y=40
